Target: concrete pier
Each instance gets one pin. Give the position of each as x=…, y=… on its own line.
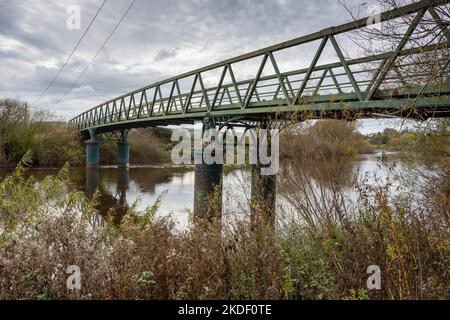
x=123, y=154
x=92, y=151
x=263, y=197
x=264, y=188
x=207, y=185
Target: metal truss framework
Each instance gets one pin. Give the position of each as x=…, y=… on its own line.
x=165, y=103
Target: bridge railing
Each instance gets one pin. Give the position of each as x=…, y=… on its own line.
x=169, y=100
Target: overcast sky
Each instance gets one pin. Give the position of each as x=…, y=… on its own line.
x=157, y=39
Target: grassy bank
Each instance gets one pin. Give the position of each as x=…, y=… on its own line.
x=433, y=140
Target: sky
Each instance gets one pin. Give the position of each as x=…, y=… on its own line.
x=157, y=39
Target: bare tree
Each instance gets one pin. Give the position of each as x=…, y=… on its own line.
x=419, y=46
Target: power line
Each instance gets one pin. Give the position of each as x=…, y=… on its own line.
x=71, y=54
x=100, y=50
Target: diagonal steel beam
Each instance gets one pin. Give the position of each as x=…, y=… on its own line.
x=155, y=95
x=236, y=88
x=204, y=93
x=219, y=86
x=143, y=97
x=400, y=76
x=289, y=85
x=122, y=108
x=280, y=78
x=255, y=81
x=311, y=69
x=169, y=102
x=179, y=93
x=161, y=101
x=394, y=55
x=336, y=83
x=188, y=100
x=319, y=84
x=346, y=68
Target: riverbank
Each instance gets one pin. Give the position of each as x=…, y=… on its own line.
x=145, y=257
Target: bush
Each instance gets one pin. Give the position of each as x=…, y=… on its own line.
x=326, y=138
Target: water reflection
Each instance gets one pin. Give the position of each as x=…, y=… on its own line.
x=114, y=204
x=121, y=188
x=331, y=173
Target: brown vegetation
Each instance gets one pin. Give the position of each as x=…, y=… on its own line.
x=324, y=139
x=321, y=253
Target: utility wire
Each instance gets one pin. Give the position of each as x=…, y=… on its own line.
x=71, y=54
x=100, y=50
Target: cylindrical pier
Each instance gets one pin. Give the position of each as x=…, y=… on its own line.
x=263, y=196
x=264, y=186
x=92, y=153
x=207, y=185
x=208, y=190
x=123, y=154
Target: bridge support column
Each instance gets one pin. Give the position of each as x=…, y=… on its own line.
x=123, y=151
x=208, y=183
x=263, y=189
x=263, y=197
x=92, y=151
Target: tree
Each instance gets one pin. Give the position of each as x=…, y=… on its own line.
x=424, y=33
x=13, y=115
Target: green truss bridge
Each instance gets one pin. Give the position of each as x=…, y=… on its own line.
x=390, y=83
x=369, y=86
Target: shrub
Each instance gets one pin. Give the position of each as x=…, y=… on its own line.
x=326, y=138
x=322, y=256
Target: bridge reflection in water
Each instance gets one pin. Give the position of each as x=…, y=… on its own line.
x=118, y=191
x=116, y=201
x=119, y=187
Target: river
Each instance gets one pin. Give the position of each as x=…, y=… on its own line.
x=142, y=185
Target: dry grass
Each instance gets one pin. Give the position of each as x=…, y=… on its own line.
x=322, y=256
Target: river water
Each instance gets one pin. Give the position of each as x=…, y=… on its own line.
x=174, y=186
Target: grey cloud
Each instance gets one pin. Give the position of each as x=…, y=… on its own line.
x=158, y=39
x=165, y=54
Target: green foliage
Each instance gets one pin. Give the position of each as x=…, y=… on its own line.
x=33, y=129
x=430, y=144
x=53, y=144
x=146, y=278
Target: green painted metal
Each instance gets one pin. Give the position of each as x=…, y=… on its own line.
x=123, y=150
x=348, y=72
x=252, y=99
x=311, y=69
x=440, y=23
x=263, y=190
x=123, y=154
x=92, y=153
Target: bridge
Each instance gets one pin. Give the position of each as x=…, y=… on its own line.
x=379, y=85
